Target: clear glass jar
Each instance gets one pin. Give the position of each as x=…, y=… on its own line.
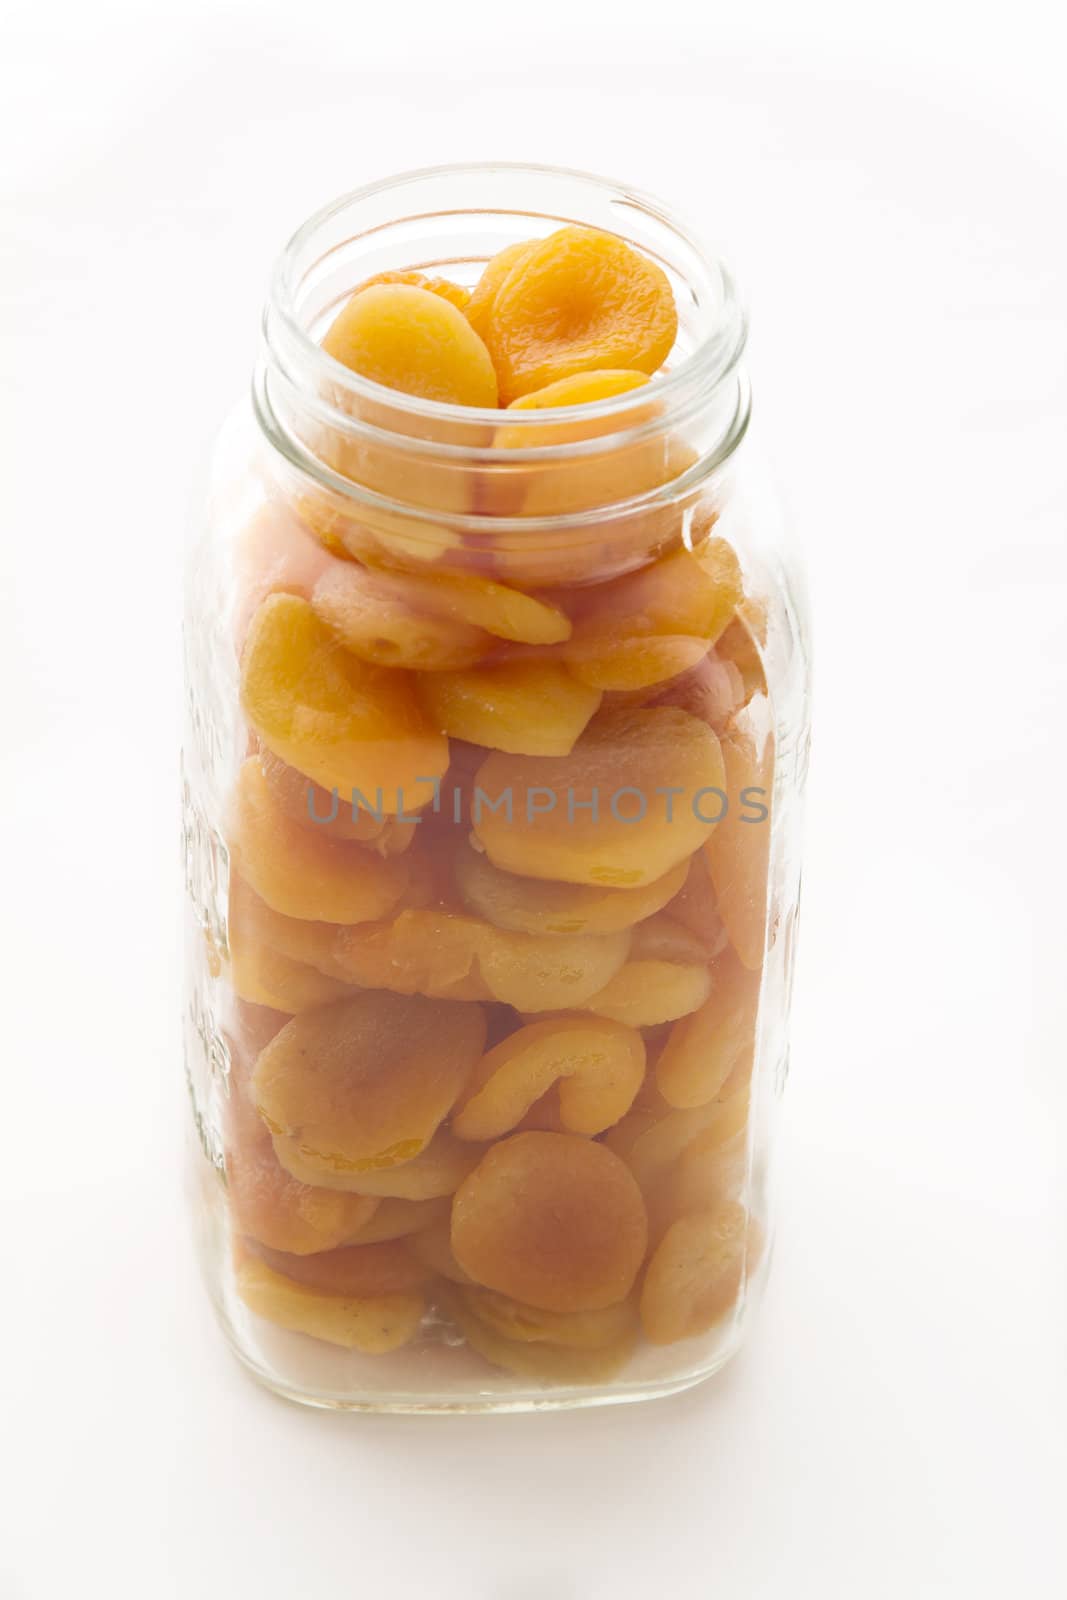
x=485, y=1034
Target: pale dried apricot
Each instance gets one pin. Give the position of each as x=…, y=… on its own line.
x=719, y=1039
x=270, y=1205
x=551, y=1219
x=543, y=1363
x=533, y=905
x=696, y=908
x=364, y=1084
x=571, y=1330
x=258, y=973
x=738, y=852
x=577, y=301
x=598, y=1066
x=695, y=1274
x=370, y=615
x=275, y=555
x=373, y=1324
x=348, y=725
x=648, y=991
x=334, y=814
x=438, y=1170
x=526, y=707
x=620, y=663
x=395, y=1218
x=482, y=603
x=251, y=921
x=442, y=954
x=640, y=791
x=432, y=1247
x=300, y=872
x=355, y=1269
x=408, y=338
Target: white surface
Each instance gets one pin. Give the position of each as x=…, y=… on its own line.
x=891, y=180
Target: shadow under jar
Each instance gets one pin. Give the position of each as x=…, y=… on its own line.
x=496, y=736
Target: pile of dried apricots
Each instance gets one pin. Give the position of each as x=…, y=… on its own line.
x=494, y=943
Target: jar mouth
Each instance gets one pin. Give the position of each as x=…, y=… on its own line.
x=703, y=368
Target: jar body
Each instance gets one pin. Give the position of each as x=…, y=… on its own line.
x=492, y=782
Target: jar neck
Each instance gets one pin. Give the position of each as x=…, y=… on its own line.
x=338, y=429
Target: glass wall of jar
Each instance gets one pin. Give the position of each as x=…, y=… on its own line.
x=497, y=723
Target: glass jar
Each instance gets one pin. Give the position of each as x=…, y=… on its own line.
x=497, y=728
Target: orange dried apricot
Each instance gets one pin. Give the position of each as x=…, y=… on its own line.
x=432, y=1247
x=598, y=1065
x=355, y=1269
x=453, y=292
x=251, y=921
x=270, y=1205
x=439, y=953
x=571, y=1330
x=302, y=873
x=648, y=991
x=436, y=1171
x=533, y=905
x=370, y=615
x=526, y=707
x=696, y=908
x=373, y=1324
x=275, y=555
x=264, y=976
x=719, y=1039
x=738, y=853
x=617, y=663
x=695, y=1274
x=484, y=293
x=553, y=1220
x=639, y=793
x=577, y=301
x=408, y=338
x=365, y=1083
x=543, y=1363
x=346, y=724
x=395, y=1218
x=480, y=602
x=309, y=804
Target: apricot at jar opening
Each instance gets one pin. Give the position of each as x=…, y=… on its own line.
x=495, y=748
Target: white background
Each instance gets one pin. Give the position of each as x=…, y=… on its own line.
x=891, y=182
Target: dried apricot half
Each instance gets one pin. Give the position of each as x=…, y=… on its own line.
x=346, y=724
x=553, y=1220
x=407, y=337
x=577, y=301
x=526, y=707
x=695, y=1274
x=364, y=1084
x=373, y=1324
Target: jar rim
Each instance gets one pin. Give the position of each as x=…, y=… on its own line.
x=704, y=368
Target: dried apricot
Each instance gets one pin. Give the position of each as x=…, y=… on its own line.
x=346, y=724
x=364, y=1084
x=395, y=1218
x=646, y=992
x=598, y=1066
x=264, y=976
x=696, y=908
x=496, y=269
x=270, y=1205
x=695, y=1274
x=438, y=1170
x=525, y=707
x=369, y=615
x=373, y=1324
x=572, y=1330
x=453, y=292
x=408, y=338
x=432, y=1247
x=251, y=921
x=482, y=603
x=355, y=1269
x=532, y=905
x=299, y=872
x=551, y=1219
x=577, y=301
x=308, y=803
x=738, y=852
x=640, y=791
x=541, y=1362
x=439, y=953
x=719, y=1039
x=275, y=555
